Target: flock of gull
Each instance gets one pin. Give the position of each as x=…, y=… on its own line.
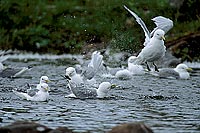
x=81, y=80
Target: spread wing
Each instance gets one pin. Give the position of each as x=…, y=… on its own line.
x=142, y=24
x=162, y=23
x=94, y=65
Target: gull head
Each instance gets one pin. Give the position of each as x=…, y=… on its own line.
x=44, y=87
x=70, y=71
x=159, y=34
x=132, y=59
x=183, y=68
x=44, y=79
x=103, y=89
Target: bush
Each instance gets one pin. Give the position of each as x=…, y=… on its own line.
x=67, y=26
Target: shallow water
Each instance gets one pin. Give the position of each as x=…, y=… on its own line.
x=165, y=105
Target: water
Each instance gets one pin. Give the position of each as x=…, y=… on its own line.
x=165, y=105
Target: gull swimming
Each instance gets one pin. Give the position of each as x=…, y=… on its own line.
x=32, y=91
x=180, y=72
x=41, y=95
x=84, y=91
x=133, y=69
x=154, y=47
x=13, y=72
x=88, y=73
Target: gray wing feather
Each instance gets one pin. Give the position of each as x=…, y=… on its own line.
x=142, y=24
x=162, y=23
x=81, y=91
x=9, y=72
x=168, y=72
x=94, y=65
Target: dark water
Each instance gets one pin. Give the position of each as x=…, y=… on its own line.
x=163, y=104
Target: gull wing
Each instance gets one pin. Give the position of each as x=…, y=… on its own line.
x=11, y=72
x=168, y=73
x=162, y=23
x=142, y=24
x=82, y=90
x=94, y=65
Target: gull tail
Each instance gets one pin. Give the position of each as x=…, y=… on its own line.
x=22, y=95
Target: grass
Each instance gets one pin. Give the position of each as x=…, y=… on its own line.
x=67, y=26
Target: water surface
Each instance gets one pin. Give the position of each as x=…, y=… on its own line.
x=165, y=105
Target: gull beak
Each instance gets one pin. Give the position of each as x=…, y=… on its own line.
x=67, y=77
x=46, y=88
x=162, y=37
x=189, y=69
x=47, y=81
x=112, y=86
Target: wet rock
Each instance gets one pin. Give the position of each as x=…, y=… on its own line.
x=24, y=127
x=131, y=128
x=61, y=130
x=186, y=47
x=31, y=127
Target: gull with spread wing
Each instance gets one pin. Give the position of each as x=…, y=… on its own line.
x=154, y=47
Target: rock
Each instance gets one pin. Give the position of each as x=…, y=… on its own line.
x=186, y=47
x=61, y=130
x=131, y=128
x=31, y=127
x=24, y=127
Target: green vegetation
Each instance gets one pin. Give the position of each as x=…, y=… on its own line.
x=60, y=26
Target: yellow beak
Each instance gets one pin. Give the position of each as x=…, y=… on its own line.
x=46, y=88
x=189, y=69
x=163, y=37
x=113, y=86
x=47, y=81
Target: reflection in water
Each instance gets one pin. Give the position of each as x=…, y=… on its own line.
x=165, y=105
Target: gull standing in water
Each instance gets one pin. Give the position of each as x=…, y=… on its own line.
x=154, y=47
x=180, y=72
x=41, y=95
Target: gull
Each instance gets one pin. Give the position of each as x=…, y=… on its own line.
x=41, y=95
x=31, y=91
x=12, y=72
x=133, y=69
x=154, y=47
x=180, y=72
x=123, y=74
x=84, y=91
x=88, y=73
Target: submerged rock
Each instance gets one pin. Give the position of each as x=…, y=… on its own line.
x=131, y=128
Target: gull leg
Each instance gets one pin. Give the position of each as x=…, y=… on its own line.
x=148, y=68
x=156, y=68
